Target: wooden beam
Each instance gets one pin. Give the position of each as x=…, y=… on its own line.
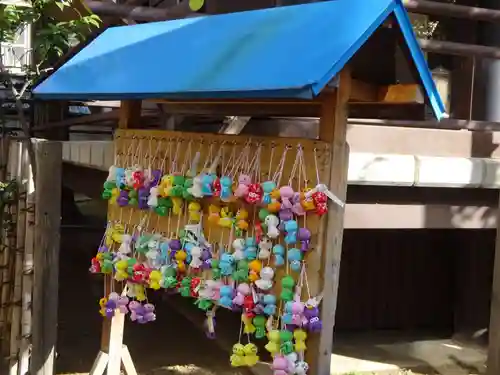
x=459, y=49
x=434, y=8
x=139, y=13
x=448, y=124
x=46, y=255
x=390, y=111
x=82, y=120
x=294, y=108
x=130, y=113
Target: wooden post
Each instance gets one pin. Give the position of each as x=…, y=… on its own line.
x=493, y=363
x=15, y=333
x=332, y=128
x=46, y=255
x=113, y=353
x=27, y=269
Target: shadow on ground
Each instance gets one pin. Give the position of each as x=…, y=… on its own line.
x=171, y=345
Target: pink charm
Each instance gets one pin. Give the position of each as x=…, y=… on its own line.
x=255, y=194
x=280, y=364
x=297, y=307
x=241, y=291
x=297, y=205
x=286, y=193
x=242, y=188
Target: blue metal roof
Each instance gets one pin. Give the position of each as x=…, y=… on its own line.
x=285, y=52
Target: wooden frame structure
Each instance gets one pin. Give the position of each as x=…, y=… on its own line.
x=332, y=132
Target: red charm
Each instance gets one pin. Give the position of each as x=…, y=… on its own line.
x=140, y=273
x=255, y=194
x=195, y=282
x=258, y=230
x=138, y=178
x=320, y=201
x=95, y=266
x=216, y=187
x=248, y=306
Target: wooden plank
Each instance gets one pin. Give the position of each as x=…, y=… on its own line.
x=333, y=128
x=115, y=343
x=295, y=108
x=15, y=333
x=364, y=92
x=27, y=282
x=46, y=255
x=130, y=113
x=493, y=362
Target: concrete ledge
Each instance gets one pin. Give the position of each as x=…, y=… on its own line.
x=378, y=169
x=449, y=172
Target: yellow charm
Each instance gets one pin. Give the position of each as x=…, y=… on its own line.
x=140, y=293
x=115, y=193
x=121, y=273
x=307, y=203
x=273, y=346
x=117, y=233
x=225, y=220
x=166, y=184
x=237, y=359
x=300, y=337
x=102, y=304
x=248, y=326
x=177, y=204
x=154, y=279
x=194, y=210
x=251, y=357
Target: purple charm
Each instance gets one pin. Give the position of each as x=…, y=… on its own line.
x=291, y=327
x=258, y=309
x=122, y=199
x=304, y=236
x=175, y=245
x=142, y=198
x=314, y=325
x=156, y=175
x=149, y=312
x=285, y=214
x=103, y=249
x=206, y=254
x=206, y=264
x=311, y=312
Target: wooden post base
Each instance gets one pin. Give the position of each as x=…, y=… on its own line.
x=102, y=360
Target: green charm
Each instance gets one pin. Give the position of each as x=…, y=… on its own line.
x=260, y=326
x=204, y=304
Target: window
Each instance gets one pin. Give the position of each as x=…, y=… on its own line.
x=16, y=55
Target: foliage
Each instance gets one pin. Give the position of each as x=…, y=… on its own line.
x=52, y=37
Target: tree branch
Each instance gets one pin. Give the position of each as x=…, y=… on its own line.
x=20, y=111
